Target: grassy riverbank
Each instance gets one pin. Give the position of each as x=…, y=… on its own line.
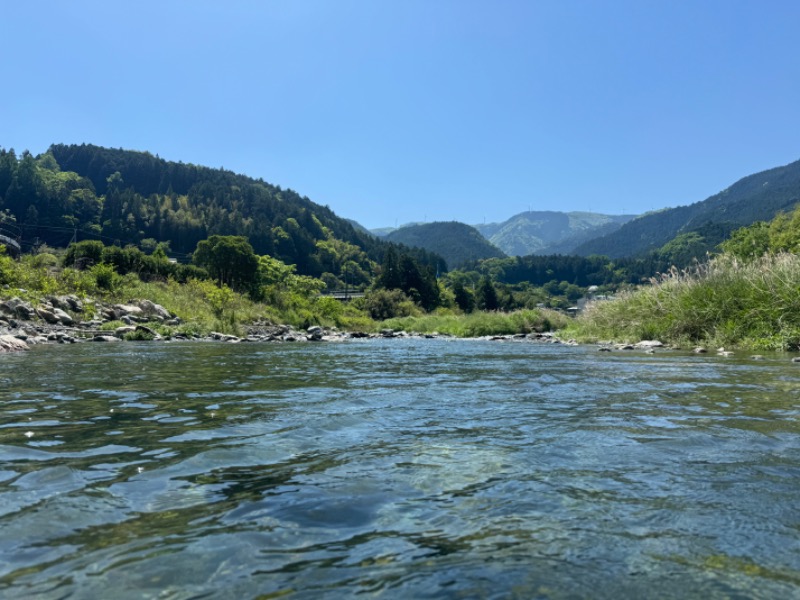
x=204, y=306
x=727, y=302
x=482, y=323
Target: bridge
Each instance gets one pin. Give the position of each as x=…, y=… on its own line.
x=342, y=296
x=9, y=237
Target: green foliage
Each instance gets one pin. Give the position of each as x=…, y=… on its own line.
x=8, y=271
x=230, y=260
x=463, y=297
x=405, y=274
x=83, y=255
x=482, y=323
x=106, y=278
x=728, y=302
x=456, y=242
x=487, y=295
x=384, y=304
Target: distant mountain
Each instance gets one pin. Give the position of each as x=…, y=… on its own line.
x=549, y=232
x=382, y=232
x=456, y=242
x=757, y=197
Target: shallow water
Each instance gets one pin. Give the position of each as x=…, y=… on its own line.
x=396, y=469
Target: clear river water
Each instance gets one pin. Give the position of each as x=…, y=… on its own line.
x=400, y=468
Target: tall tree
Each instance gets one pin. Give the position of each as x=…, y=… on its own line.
x=230, y=259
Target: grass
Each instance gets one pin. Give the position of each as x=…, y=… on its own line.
x=481, y=323
x=726, y=302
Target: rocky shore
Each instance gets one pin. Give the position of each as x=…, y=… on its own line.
x=69, y=320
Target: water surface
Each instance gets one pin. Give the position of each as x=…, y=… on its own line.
x=396, y=469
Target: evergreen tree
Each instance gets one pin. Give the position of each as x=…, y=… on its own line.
x=487, y=295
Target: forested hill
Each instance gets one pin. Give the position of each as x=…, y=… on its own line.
x=549, y=232
x=124, y=196
x=758, y=197
x=456, y=242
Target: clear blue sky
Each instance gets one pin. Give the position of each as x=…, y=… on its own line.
x=412, y=110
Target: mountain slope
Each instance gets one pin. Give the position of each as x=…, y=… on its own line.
x=757, y=197
x=456, y=242
x=549, y=232
x=126, y=197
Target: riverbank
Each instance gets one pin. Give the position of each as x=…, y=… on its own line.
x=728, y=302
x=67, y=319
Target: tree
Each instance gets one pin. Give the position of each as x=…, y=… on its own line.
x=463, y=297
x=85, y=254
x=487, y=295
x=230, y=259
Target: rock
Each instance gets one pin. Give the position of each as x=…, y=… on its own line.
x=152, y=309
x=604, y=349
x=223, y=337
x=105, y=338
x=17, y=308
x=63, y=317
x=387, y=333
x=699, y=350
x=121, y=331
x=129, y=310
x=146, y=330
x=757, y=357
x=649, y=344
x=315, y=333
x=9, y=343
x=725, y=353
x=73, y=302
x=48, y=316
x=796, y=359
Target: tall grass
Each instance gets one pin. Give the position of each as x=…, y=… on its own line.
x=482, y=323
x=726, y=302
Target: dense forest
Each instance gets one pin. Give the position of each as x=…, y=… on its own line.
x=121, y=197
x=456, y=242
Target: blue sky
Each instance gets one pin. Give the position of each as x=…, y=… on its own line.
x=420, y=110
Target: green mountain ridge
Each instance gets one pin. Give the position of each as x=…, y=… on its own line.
x=549, y=232
x=130, y=197
x=456, y=242
x=757, y=197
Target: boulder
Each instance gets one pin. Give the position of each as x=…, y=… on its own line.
x=9, y=343
x=121, y=331
x=315, y=333
x=63, y=317
x=47, y=315
x=151, y=309
x=105, y=338
x=18, y=308
x=649, y=344
x=129, y=310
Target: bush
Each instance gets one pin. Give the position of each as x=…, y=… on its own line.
x=385, y=304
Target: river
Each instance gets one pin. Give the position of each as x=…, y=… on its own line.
x=397, y=468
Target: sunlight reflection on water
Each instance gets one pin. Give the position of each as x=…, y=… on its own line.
x=401, y=468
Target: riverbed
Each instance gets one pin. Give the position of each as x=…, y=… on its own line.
x=403, y=468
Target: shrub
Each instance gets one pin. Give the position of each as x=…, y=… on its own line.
x=385, y=304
